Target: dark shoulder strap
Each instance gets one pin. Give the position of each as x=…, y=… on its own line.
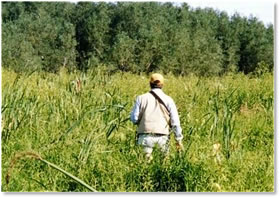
x=159, y=99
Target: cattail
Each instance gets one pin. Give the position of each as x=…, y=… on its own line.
x=217, y=153
x=78, y=85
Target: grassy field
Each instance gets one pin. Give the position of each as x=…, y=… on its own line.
x=78, y=122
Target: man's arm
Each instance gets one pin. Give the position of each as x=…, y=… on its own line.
x=134, y=115
x=175, y=121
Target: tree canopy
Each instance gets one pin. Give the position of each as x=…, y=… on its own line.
x=135, y=37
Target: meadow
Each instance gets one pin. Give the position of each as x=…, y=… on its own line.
x=78, y=122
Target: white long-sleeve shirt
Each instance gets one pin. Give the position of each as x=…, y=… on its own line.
x=168, y=101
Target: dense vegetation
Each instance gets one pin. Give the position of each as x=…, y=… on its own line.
x=78, y=122
x=136, y=37
x=70, y=75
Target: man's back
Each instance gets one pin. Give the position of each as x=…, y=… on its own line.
x=153, y=116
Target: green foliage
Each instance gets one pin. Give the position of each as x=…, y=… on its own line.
x=78, y=122
x=136, y=37
x=255, y=43
x=123, y=53
x=38, y=39
x=261, y=69
x=93, y=36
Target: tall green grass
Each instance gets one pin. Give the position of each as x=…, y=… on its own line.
x=79, y=122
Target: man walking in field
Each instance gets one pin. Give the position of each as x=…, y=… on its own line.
x=154, y=113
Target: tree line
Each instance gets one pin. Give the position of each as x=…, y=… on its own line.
x=132, y=36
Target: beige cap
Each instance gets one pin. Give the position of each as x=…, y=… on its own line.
x=156, y=78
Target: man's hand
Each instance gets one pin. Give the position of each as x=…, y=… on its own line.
x=179, y=146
